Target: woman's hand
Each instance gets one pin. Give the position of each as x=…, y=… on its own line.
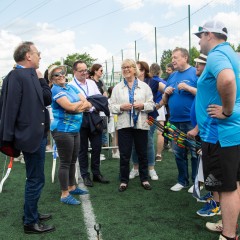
x=126, y=107
x=138, y=106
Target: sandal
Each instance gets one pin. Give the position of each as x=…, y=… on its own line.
x=122, y=188
x=146, y=186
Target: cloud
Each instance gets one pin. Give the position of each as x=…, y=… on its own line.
x=53, y=45
x=193, y=3
x=97, y=51
x=146, y=30
x=131, y=4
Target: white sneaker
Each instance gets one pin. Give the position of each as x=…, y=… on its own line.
x=102, y=157
x=177, y=187
x=215, y=227
x=22, y=160
x=115, y=155
x=134, y=173
x=153, y=175
x=190, y=190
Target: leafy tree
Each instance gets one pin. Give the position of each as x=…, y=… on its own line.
x=194, y=53
x=165, y=59
x=233, y=47
x=238, y=48
x=70, y=59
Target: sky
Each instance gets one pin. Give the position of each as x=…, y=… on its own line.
x=108, y=30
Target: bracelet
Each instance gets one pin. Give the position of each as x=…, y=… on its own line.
x=226, y=115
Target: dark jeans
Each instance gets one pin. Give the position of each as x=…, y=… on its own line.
x=182, y=158
x=126, y=137
x=34, y=183
x=96, y=145
x=68, y=144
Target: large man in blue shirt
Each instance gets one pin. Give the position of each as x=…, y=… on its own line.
x=181, y=90
x=218, y=117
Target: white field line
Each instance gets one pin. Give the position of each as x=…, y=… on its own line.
x=88, y=213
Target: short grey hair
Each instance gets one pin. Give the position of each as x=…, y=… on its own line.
x=21, y=51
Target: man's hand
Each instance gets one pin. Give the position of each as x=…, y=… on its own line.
x=193, y=133
x=183, y=86
x=169, y=90
x=215, y=111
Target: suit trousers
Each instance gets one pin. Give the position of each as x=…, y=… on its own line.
x=126, y=137
x=96, y=145
x=34, y=183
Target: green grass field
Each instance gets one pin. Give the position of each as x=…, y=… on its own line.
x=136, y=214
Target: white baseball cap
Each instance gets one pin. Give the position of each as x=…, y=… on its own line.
x=212, y=26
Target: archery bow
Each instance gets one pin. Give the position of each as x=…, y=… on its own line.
x=7, y=173
x=55, y=155
x=174, y=134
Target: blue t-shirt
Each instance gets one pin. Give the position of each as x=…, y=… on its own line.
x=159, y=94
x=180, y=101
x=154, y=85
x=226, y=131
x=63, y=121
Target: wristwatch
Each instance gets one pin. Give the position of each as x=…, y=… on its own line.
x=226, y=115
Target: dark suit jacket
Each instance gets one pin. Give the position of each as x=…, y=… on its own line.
x=22, y=108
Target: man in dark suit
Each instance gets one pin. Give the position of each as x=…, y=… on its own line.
x=24, y=123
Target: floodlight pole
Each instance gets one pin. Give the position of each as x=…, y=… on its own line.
x=189, y=31
x=106, y=72
x=156, y=43
x=135, y=50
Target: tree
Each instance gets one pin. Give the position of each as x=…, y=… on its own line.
x=70, y=59
x=194, y=53
x=165, y=59
x=238, y=48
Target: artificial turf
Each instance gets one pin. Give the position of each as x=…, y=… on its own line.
x=135, y=214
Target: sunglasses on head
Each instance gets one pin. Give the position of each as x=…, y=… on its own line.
x=57, y=74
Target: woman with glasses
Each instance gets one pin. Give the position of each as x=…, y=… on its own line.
x=154, y=84
x=132, y=100
x=67, y=107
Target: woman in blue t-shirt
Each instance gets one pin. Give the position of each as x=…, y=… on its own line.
x=67, y=107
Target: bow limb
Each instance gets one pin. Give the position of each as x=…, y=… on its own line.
x=7, y=173
x=55, y=155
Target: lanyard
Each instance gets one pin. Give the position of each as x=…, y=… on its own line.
x=86, y=94
x=132, y=113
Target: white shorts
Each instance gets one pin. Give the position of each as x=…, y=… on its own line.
x=162, y=114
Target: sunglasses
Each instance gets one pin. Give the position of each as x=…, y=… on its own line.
x=58, y=74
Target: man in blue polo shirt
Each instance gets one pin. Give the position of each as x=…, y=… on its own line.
x=218, y=117
x=181, y=90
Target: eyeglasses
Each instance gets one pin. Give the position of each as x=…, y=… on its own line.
x=38, y=53
x=126, y=67
x=82, y=71
x=58, y=74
